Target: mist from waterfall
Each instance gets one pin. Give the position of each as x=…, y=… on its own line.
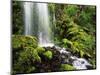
x=36, y=19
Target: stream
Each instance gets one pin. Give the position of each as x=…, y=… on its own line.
x=68, y=58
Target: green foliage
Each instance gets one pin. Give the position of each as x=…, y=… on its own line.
x=48, y=54
x=35, y=55
x=66, y=43
x=73, y=31
x=18, y=22
x=82, y=53
x=81, y=40
x=67, y=67
x=71, y=10
x=93, y=62
x=25, y=53
x=87, y=18
x=51, y=8
x=21, y=41
x=25, y=60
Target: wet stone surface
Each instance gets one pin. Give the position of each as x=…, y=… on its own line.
x=61, y=56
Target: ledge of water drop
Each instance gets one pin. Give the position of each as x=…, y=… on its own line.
x=46, y=45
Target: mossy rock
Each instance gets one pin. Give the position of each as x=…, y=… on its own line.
x=26, y=60
x=19, y=41
x=67, y=67
x=40, y=50
x=48, y=54
x=29, y=54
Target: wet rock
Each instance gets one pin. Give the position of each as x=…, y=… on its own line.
x=81, y=63
x=89, y=66
x=50, y=65
x=68, y=57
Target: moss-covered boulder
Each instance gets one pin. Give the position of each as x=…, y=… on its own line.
x=48, y=54
x=67, y=67
x=40, y=50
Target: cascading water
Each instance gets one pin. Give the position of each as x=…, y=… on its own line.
x=78, y=63
x=44, y=32
x=28, y=13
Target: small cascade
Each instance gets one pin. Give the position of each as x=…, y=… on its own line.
x=68, y=58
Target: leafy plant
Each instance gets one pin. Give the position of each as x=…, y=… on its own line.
x=24, y=53
x=19, y=41
x=71, y=10
x=18, y=22
x=66, y=43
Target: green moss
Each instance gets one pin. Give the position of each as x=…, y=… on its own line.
x=66, y=67
x=48, y=54
x=36, y=56
x=26, y=60
x=31, y=69
x=40, y=50
x=33, y=53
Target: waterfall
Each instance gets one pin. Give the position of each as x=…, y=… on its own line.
x=38, y=22
x=28, y=13
x=44, y=32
